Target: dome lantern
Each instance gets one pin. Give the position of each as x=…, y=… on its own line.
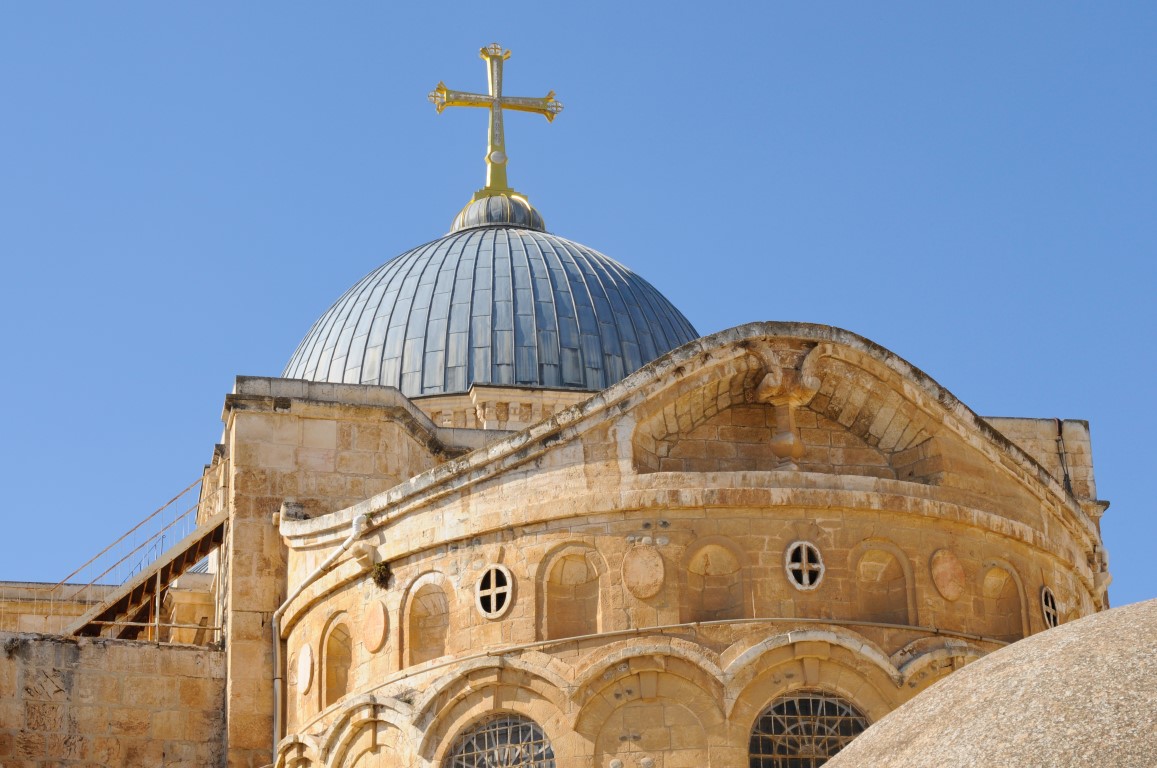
x=496, y=203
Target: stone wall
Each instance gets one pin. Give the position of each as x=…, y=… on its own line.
x=33, y=607
x=651, y=546
x=1071, y=453
x=498, y=408
x=86, y=701
x=324, y=447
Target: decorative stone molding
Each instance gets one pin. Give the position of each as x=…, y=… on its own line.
x=643, y=572
x=947, y=574
x=375, y=626
x=786, y=388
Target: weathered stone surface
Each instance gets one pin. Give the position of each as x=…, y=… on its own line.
x=82, y=701
x=375, y=626
x=646, y=532
x=643, y=571
x=1081, y=694
x=948, y=574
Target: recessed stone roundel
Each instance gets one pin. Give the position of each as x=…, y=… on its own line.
x=947, y=574
x=304, y=670
x=375, y=627
x=643, y=572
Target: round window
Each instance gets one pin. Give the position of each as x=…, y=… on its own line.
x=492, y=593
x=1048, y=603
x=805, y=567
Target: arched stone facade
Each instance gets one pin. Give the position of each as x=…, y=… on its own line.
x=653, y=615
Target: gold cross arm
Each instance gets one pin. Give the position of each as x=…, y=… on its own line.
x=547, y=106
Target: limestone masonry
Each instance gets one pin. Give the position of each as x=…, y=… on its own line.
x=506, y=508
x=779, y=518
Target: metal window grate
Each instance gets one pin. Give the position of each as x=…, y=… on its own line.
x=1052, y=614
x=803, y=730
x=507, y=741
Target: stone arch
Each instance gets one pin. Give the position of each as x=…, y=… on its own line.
x=372, y=744
x=832, y=659
x=337, y=659
x=930, y=658
x=490, y=691
x=804, y=726
x=1004, y=615
x=661, y=707
x=534, y=671
x=884, y=583
x=713, y=574
x=627, y=660
x=298, y=750
x=486, y=741
x=707, y=389
x=427, y=619
x=367, y=728
x=570, y=592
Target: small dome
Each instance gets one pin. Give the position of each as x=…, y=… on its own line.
x=509, y=210
x=492, y=305
x=1081, y=694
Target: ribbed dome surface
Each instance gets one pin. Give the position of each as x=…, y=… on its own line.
x=494, y=305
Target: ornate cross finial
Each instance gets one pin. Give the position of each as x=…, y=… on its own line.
x=547, y=106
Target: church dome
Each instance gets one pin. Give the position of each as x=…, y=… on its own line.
x=494, y=302
x=498, y=300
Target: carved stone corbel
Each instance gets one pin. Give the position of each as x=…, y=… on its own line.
x=786, y=388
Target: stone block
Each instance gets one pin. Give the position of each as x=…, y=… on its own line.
x=95, y=688
x=250, y=731
x=128, y=721
x=44, y=715
x=267, y=428
x=317, y=459
x=319, y=434
x=745, y=434
x=200, y=694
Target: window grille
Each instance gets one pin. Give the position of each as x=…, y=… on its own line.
x=803, y=730
x=1048, y=603
x=507, y=741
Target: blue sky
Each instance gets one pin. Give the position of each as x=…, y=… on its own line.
x=184, y=189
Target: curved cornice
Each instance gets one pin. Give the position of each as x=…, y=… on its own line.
x=652, y=380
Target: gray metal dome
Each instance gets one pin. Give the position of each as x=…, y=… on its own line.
x=492, y=305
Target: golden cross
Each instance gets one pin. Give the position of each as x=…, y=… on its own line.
x=547, y=106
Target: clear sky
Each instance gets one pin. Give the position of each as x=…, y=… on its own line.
x=184, y=188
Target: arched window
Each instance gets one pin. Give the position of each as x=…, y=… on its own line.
x=803, y=729
x=1049, y=610
x=429, y=623
x=505, y=741
x=338, y=660
x=572, y=597
x=714, y=585
x=1002, y=605
x=883, y=587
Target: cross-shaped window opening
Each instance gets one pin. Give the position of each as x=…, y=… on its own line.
x=492, y=594
x=1048, y=601
x=804, y=565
